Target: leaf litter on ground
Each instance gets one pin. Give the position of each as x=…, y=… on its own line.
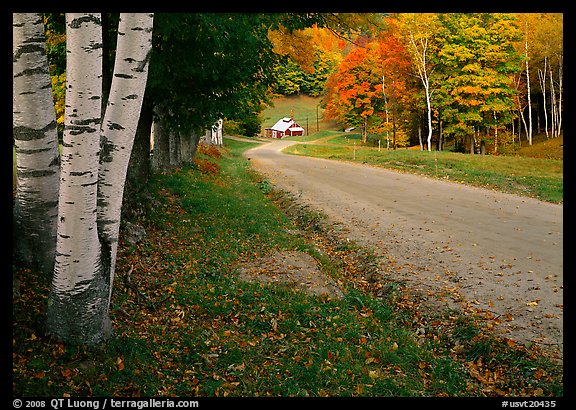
x=187, y=325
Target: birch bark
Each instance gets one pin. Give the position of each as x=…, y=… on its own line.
x=542, y=79
x=529, y=130
x=420, y=31
x=95, y=157
x=77, y=308
x=119, y=125
x=36, y=142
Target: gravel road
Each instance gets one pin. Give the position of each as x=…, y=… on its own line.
x=493, y=251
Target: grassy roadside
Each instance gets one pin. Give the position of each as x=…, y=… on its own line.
x=187, y=326
x=540, y=178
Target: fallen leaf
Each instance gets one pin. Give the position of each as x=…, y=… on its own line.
x=120, y=363
x=39, y=375
x=373, y=374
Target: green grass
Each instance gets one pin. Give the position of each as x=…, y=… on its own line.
x=195, y=329
x=537, y=177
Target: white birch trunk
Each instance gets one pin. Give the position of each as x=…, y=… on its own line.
x=420, y=55
x=119, y=125
x=77, y=309
x=560, y=90
x=529, y=130
x=36, y=142
x=219, y=126
x=552, y=104
x=94, y=172
x=542, y=79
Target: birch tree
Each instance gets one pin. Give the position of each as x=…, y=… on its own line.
x=419, y=31
x=76, y=308
x=120, y=122
x=544, y=36
x=95, y=154
x=526, y=60
x=36, y=142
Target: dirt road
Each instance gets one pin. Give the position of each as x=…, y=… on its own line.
x=497, y=252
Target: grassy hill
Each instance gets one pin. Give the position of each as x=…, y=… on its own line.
x=306, y=110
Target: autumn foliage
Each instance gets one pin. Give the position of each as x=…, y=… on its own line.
x=369, y=83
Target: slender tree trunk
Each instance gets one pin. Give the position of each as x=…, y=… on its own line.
x=440, y=135
x=219, y=126
x=423, y=73
x=36, y=141
x=542, y=79
x=529, y=130
x=393, y=116
x=420, y=134
x=120, y=123
x=429, y=108
x=552, y=104
x=560, y=90
x=78, y=305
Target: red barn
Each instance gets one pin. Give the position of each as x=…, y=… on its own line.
x=284, y=127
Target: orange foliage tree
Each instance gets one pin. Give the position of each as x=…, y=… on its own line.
x=369, y=84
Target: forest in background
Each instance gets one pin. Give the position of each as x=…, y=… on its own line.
x=481, y=79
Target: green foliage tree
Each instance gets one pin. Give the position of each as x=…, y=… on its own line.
x=474, y=76
x=289, y=77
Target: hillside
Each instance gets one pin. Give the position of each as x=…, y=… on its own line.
x=306, y=110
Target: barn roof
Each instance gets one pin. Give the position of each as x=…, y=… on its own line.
x=283, y=124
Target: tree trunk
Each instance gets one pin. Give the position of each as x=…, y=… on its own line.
x=529, y=130
x=93, y=176
x=429, y=108
x=560, y=90
x=440, y=135
x=78, y=305
x=161, y=157
x=139, y=167
x=393, y=116
x=218, y=126
x=420, y=134
x=174, y=157
x=553, y=108
x=194, y=141
x=120, y=123
x=542, y=79
x=36, y=141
